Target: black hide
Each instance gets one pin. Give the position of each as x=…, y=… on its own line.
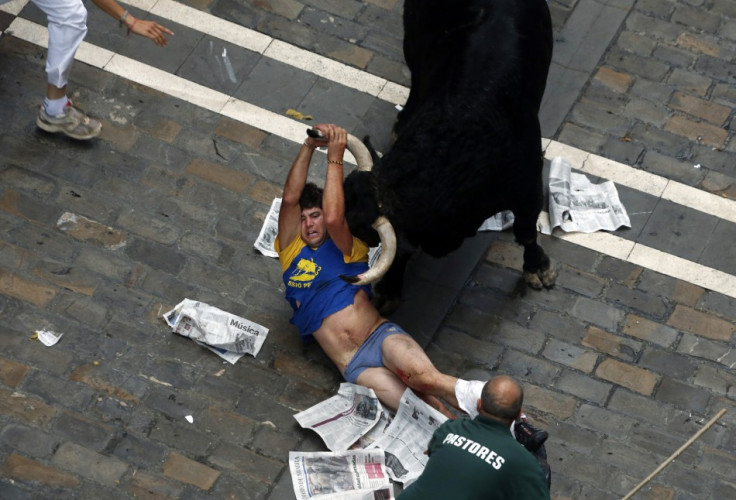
x=468, y=141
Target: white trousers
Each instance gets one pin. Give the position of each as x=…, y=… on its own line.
x=67, y=28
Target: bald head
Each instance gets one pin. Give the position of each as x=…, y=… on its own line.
x=502, y=398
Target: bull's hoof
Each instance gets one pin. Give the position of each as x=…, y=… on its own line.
x=533, y=280
x=543, y=278
x=548, y=276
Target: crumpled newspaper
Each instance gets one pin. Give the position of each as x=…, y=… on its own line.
x=498, y=222
x=227, y=335
x=47, y=337
x=575, y=205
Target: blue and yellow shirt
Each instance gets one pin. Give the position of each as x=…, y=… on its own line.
x=312, y=279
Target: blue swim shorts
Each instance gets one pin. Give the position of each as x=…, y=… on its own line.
x=369, y=354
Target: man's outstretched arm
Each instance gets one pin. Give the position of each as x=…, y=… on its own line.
x=290, y=213
x=333, y=202
x=149, y=29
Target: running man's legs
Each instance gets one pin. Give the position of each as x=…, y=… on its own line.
x=67, y=24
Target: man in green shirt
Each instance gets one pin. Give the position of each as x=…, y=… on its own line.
x=479, y=458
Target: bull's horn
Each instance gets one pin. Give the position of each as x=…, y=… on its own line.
x=388, y=251
x=361, y=153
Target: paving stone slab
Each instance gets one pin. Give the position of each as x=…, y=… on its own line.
x=218, y=65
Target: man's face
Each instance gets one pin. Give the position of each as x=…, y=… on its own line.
x=313, y=229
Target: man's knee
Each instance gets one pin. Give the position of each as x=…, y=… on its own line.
x=422, y=380
x=74, y=18
x=68, y=13
x=385, y=384
x=67, y=29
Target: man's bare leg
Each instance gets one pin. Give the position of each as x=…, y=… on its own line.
x=389, y=389
x=403, y=356
x=54, y=92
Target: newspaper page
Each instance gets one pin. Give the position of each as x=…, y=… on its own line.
x=269, y=231
x=576, y=204
x=342, y=419
x=370, y=437
x=498, y=222
x=47, y=337
x=225, y=334
x=314, y=474
x=381, y=493
x=373, y=254
x=406, y=439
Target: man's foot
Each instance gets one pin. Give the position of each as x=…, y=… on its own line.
x=72, y=122
x=467, y=393
x=529, y=436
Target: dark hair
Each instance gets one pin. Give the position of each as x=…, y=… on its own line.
x=311, y=196
x=498, y=403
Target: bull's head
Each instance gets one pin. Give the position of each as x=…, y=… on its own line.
x=359, y=182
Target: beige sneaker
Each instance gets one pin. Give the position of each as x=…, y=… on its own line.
x=72, y=122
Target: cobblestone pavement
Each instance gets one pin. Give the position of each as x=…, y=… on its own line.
x=622, y=361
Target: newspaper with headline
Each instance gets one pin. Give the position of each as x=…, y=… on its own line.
x=406, y=439
x=227, y=335
x=370, y=437
x=382, y=493
x=341, y=473
x=576, y=204
x=401, y=439
x=342, y=419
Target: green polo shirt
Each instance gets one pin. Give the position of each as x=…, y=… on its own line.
x=477, y=459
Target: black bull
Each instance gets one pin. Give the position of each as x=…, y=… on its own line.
x=468, y=141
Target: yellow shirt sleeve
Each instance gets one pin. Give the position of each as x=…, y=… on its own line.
x=289, y=253
x=359, y=253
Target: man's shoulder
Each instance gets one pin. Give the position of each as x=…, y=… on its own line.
x=288, y=253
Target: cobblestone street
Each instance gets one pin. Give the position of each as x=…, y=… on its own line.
x=625, y=359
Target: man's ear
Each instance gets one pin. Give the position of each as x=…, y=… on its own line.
x=478, y=406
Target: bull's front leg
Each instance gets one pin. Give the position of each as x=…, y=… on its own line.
x=538, y=269
x=539, y=272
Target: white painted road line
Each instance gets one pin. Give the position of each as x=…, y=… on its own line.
x=653, y=259
x=605, y=243
x=14, y=7
x=275, y=49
